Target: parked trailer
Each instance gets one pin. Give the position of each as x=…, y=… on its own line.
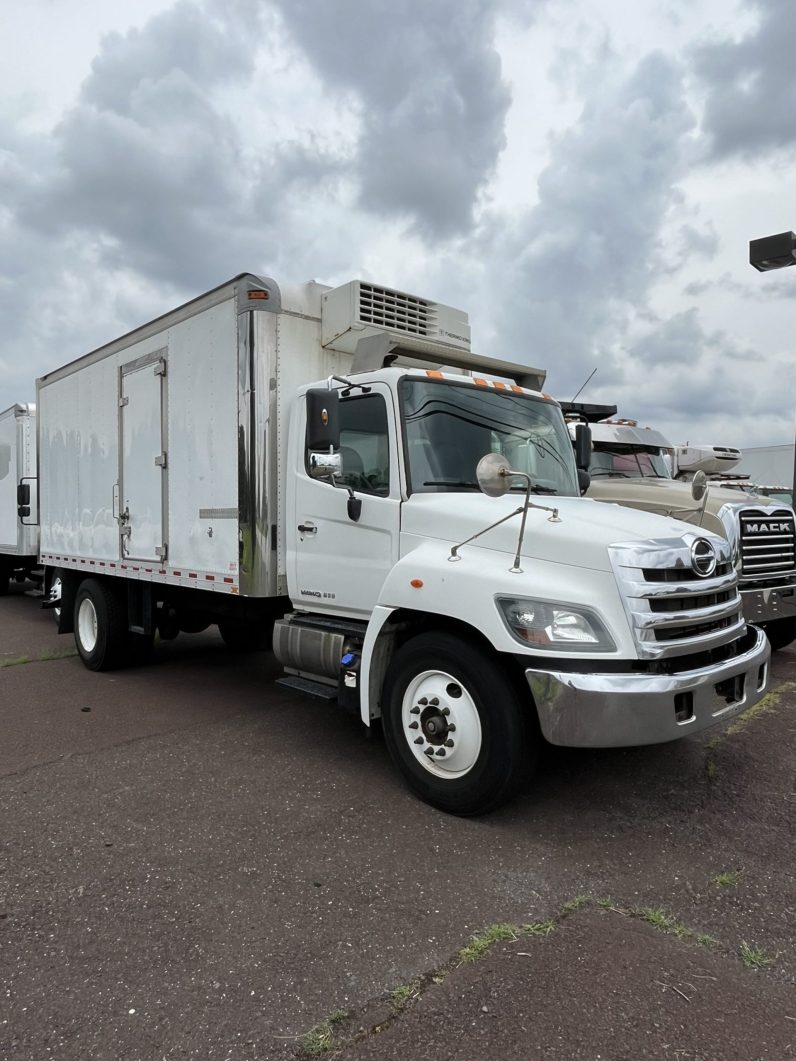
x=301, y=465
x=19, y=532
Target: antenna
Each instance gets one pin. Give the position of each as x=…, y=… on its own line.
x=577, y=392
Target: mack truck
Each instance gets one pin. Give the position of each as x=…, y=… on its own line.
x=19, y=532
x=629, y=467
x=334, y=472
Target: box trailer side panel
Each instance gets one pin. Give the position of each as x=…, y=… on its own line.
x=19, y=535
x=139, y=454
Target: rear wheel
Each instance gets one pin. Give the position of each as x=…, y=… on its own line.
x=780, y=633
x=100, y=625
x=455, y=726
x=5, y=577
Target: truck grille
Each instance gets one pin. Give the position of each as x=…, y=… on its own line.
x=768, y=542
x=394, y=309
x=673, y=611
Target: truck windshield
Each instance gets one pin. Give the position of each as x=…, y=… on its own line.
x=624, y=462
x=449, y=427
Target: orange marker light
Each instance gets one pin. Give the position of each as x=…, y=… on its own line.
x=480, y=382
x=433, y=373
x=416, y=583
x=257, y=294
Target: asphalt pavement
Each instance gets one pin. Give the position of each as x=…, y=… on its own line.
x=197, y=863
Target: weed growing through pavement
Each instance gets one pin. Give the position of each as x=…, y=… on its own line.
x=575, y=904
x=539, y=928
x=320, y=1039
x=402, y=996
x=51, y=654
x=754, y=957
x=480, y=943
x=728, y=879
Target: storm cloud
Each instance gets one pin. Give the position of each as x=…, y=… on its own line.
x=751, y=90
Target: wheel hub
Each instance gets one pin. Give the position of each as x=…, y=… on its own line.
x=442, y=724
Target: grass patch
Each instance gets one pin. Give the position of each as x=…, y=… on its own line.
x=402, y=996
x=754, y=957
x=769, y=702
x=704, y=940
x=575, y=904
x=480, y=943
x=320, y=1039
x=539, y=928
x=55, y=653
x=728, y=879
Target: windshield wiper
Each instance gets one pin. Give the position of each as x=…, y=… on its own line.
x=541, y=489
x=450, y=482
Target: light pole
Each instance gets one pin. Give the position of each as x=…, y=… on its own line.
x=774, y=252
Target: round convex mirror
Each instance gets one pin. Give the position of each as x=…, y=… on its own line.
x=699, y=485
x=493, y=475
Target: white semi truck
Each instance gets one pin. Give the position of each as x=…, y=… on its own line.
x=301, y=465
x=19, y=532
x=629, y=467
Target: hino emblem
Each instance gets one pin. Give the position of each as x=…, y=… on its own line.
x=703, y=557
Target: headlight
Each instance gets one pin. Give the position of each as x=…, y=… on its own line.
x=544, y=624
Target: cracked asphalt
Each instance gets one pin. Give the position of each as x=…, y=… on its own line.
x=196, y=863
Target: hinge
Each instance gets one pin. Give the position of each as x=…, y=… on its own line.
x=162, y=551
x=123, y=402
x=161, y=460
x=160, y=367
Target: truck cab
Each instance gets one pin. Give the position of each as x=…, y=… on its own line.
x=640, y=468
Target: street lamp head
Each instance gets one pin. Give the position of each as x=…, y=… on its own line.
x=773, y=252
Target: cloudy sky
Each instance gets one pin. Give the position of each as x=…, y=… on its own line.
x=582, y=176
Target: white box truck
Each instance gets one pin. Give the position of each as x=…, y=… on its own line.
x=301, y=465
x=19, y=532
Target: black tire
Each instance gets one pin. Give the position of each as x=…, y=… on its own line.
x=780, y=633
x=5, y=578
x=245, y=637
x=100, y=625
x=496, y=753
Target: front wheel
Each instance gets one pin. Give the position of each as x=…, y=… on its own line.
x=100, y=625
x=780, y=633
x=455, y=726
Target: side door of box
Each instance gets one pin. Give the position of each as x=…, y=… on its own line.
x=143, y=458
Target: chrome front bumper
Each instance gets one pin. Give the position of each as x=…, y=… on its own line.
x=618, y=710
x=768, y=605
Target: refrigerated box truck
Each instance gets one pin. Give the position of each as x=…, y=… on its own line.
x=19, y=532
x=335, y=472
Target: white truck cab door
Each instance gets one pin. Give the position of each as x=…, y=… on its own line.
x=337, y=564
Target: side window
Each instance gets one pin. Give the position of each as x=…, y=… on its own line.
x=364, y=445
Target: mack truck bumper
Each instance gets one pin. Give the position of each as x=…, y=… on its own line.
x=768, y=605
x=619, y=710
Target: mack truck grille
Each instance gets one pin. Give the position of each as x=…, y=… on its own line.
x=677, y=603
x=768, y=542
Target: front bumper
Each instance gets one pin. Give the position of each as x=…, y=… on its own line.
x=768, y=605
x=619, y=710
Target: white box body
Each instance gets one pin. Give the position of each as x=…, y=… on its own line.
x=19, y=536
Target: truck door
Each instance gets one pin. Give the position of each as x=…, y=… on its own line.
x=142, y=458
x=336, y=563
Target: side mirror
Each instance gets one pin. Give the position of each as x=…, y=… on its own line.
x=699, y=485
x=584, y=481
x=323, y=419
x=493, y=473
x=23, y=494
x=583, y=446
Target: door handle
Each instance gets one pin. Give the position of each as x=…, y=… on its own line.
x=307, y=528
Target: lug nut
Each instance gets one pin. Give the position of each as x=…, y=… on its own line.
x=430, y=751
x=414, y=725
x=423, y=701
x=415, y=711
x=446, y=711
x=448, y=743
x=433, y=702
x=418, y=740
x=451, y=728
x=440, y=752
